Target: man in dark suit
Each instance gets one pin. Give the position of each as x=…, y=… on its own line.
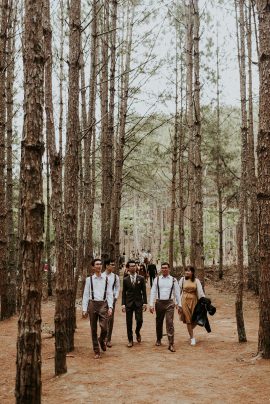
x=134, y=300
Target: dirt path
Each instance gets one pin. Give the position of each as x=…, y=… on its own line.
x=217, y=370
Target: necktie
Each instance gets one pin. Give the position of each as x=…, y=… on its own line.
x=133, y=279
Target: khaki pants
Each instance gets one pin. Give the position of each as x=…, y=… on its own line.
x=98, y=311
x=165, y=308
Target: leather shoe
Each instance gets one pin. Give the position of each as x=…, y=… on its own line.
x=139, y=338
x=97, y=356
x=130, y=344
x=171, y=348
x=109, y=344
x=102, y=345
x=158, y=343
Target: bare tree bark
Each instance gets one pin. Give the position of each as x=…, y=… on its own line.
x=106, y=139
x=197, y=209
x=174, y=159
x=72, y=167
x=3, y=208
x=89, y=147
x=242, y=191
x=11, y=49
x=119, y=160
x=252, y=210
x=264, y=177
x=56, y=203
x=28, y=377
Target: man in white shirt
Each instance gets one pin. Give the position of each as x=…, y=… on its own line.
x=114, y=285
x=163, y=289
x=98, y=303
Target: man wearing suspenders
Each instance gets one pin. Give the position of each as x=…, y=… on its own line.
x=114, y=285
x=98, y=303
x=164, y=288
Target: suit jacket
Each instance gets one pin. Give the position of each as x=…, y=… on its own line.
x=200, y=313
x=134, y=293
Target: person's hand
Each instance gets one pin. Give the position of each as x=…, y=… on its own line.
x=144, y=307
x=84, y=314
x=151, y=309
x=123, y=308
x=110, y=312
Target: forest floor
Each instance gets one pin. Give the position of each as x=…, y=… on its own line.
x=217, y=370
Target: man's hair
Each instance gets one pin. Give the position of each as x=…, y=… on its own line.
x=95, y=260
x=165, y=263
x=130, y=262
x=108, y=261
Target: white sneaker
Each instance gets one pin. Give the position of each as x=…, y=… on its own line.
x=192, y=341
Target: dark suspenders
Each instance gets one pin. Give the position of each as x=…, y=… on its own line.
x=114, y=282
x=170, y=291
x=92, y=288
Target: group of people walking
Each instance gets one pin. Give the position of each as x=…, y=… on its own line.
x=102, y=290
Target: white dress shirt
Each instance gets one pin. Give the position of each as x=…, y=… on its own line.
x=165, y=286
x=113, y=279
x=99, y=284
x=133, y=278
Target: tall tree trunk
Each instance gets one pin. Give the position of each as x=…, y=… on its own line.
x=174, y=160
x=61, y=104
x=11, y=48
x=252, y=231
x=218, y=174
x=189, y=96
x=239, y=295
x=89, y=146
x=242, y=191
x=198, y=200
x=264, y=177
x=48, y=222
x=3, y=209
x=181, y=166
x=119, y=160
x=28, y=377
x=56, y=204
x=106, y=139
x=72, y=167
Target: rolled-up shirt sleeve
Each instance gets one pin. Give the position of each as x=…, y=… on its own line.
x=153, y=292
x=86, y=294
x=117, y=287
x=177, y=293
x=110, y=298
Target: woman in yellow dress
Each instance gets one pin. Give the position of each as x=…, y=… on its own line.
x=190, y=292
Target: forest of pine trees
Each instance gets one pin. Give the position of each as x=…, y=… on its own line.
x=97, y=162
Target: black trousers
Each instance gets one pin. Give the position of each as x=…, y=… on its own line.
x=165, y=309
x=152, y=277
x=129, y=320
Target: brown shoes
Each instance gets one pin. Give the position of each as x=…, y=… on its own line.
x=109, y=344
x=139, y=338
x=171, y=348
x=130, y=344
x=158, y=342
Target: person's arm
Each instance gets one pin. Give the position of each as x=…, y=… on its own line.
x=153, y=293
x=181, y=283
x=117, y=287
x=124, y=293
x=86, y=295
x=200, y=292
x=176, y=291
x=109, y=296
x=144, y=291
